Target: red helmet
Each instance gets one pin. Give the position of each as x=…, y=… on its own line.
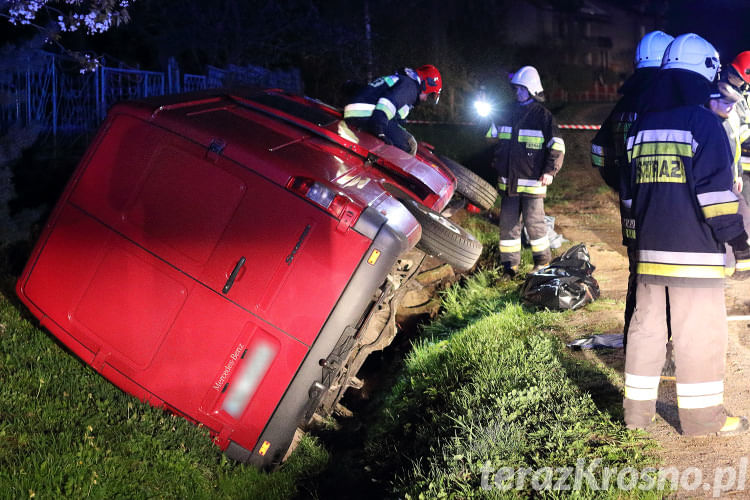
x=432, y=83
x=741, y=64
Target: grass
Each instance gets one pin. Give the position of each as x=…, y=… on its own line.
x=490, y=386
x=66, y=431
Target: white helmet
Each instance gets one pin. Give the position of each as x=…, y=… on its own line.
x=693, y=53
x=528, y=77
x=650, y=49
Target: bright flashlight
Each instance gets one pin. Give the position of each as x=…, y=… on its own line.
x=484, y=108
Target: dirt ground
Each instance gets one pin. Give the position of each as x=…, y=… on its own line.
x=592, y=217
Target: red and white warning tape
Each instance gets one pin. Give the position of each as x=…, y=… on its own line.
x=580, y=127
x=429, y=122
x=565, y=126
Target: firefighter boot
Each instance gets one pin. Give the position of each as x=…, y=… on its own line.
x=509, y=272
x=733, y=426
x=539, y=264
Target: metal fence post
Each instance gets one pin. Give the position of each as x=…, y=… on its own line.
x=97, y=74
x=28, y=92
x=54, y=97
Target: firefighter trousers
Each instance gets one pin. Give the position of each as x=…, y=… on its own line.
x=511, y=209
x=699, y=335
x=396, y=134
x=630, y=299
x=630, y=294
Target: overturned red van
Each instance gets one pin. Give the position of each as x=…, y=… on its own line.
x=232, y=256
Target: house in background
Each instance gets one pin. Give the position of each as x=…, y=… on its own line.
x=585, y=47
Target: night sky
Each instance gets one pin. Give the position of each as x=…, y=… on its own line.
x=724, y=23
x=326, y=39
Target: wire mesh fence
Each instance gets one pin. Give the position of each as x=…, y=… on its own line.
x=50, y=90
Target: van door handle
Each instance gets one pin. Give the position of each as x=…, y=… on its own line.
x=233, y=276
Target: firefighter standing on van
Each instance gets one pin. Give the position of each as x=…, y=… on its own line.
x=528, y=154
x=382, y=105
x=684, y=210
x=608, y=148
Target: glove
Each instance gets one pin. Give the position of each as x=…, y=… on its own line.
x=742, y=264
x=741, y=256
x=413, y=145
x=546, y=179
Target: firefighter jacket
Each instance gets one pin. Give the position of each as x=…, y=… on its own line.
x=529, y=145
x=384, y=99
x=739, y=119
x=680, y=186
x=609, y=146
x=732, y=127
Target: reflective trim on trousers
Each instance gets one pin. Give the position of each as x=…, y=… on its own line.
x=700, y=388
x=539, y=245
x=637, y=394
x=641, y=387
x=642, y=381
x=510, y=246
x=697, y=402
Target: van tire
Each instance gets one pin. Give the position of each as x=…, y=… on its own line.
x=443, y=239
x=471, y=186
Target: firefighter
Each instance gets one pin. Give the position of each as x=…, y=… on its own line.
x=685, y=210
x=528, y=154
x=722, y=101
x=382, y=105
x=737, y=75
x=608, y=148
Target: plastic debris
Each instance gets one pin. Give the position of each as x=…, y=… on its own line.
x=598, y=341
x=566, y=283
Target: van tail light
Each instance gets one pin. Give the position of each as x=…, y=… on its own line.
x=319, y=194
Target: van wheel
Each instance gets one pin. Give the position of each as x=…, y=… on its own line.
x=471, y=186
x=443, y=239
